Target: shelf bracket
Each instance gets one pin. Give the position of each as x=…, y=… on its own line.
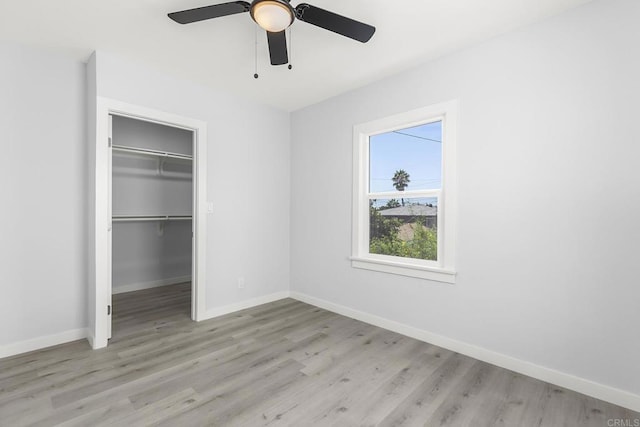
x=161, y=161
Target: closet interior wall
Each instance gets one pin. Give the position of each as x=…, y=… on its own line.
x=151, y=205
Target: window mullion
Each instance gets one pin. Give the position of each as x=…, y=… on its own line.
x=405, y=194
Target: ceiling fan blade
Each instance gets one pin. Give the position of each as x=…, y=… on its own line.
x=278, y=48
x=333, y=22
x=208, y=12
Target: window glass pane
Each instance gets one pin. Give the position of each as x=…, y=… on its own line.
x=406, y=159
x=406, y=228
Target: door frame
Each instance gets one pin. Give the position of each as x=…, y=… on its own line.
x=100, y=276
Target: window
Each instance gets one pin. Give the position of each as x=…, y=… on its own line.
x=404, y=193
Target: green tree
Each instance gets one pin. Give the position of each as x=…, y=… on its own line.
x=380, y=227
x=424, y=244
x=401, y=181
x=384, y=238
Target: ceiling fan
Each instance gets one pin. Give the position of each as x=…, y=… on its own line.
x=275, y=16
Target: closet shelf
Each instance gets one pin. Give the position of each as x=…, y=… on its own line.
x=149, y=152
x=134, y=218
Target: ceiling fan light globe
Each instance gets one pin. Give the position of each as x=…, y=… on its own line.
x=272, y=15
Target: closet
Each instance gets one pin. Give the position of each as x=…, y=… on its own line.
x=151, y=207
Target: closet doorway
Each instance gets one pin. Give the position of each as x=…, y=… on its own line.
x=151, y=216
x=150, y=196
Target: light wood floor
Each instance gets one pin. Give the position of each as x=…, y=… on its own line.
x=284, y=363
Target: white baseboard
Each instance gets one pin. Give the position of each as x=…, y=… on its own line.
x=42, y=342
x=571, y=382
x=148, y=285
x=226, y=309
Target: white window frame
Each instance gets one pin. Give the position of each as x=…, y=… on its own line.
x=443, y=269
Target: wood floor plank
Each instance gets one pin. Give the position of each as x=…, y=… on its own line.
x=25, y=412
x=140, y=366
x=235, y=394
x=377, y=403
x=144, y=384
x=424, y=400
x=101, y=416
x=280, y=364
x=472, y=402
x=176, y=402
x=341, y=391
x=350, y=371
x=522, y=402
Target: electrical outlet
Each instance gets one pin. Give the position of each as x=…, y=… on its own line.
x=240, y=282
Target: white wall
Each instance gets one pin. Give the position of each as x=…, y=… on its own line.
x=43, y=195
x=48, y=194
x=549, y=196
x=248, y=176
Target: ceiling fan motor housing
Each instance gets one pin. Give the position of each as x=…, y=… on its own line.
x=272, y=15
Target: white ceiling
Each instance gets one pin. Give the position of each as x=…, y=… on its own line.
x=220, y=52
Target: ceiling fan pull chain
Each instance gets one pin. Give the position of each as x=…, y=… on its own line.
x=290, y=47
x=255, y=74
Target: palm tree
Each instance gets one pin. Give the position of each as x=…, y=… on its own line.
x=401, y=181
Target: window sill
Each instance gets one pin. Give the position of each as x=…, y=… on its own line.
x=405, y=269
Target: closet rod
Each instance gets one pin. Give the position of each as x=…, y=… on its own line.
x=133, y=218
x=150, y=152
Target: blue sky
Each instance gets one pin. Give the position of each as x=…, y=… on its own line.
x=417, y=150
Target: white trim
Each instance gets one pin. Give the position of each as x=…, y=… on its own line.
x=90, y=337
x=562, y=379
x=109, y=318
x=148, y=285
x=413, y=194
x=231, y=308
x=43, y=342
x=411, y=270
x=199, y=221
x=100, y=253
x=443, y=269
